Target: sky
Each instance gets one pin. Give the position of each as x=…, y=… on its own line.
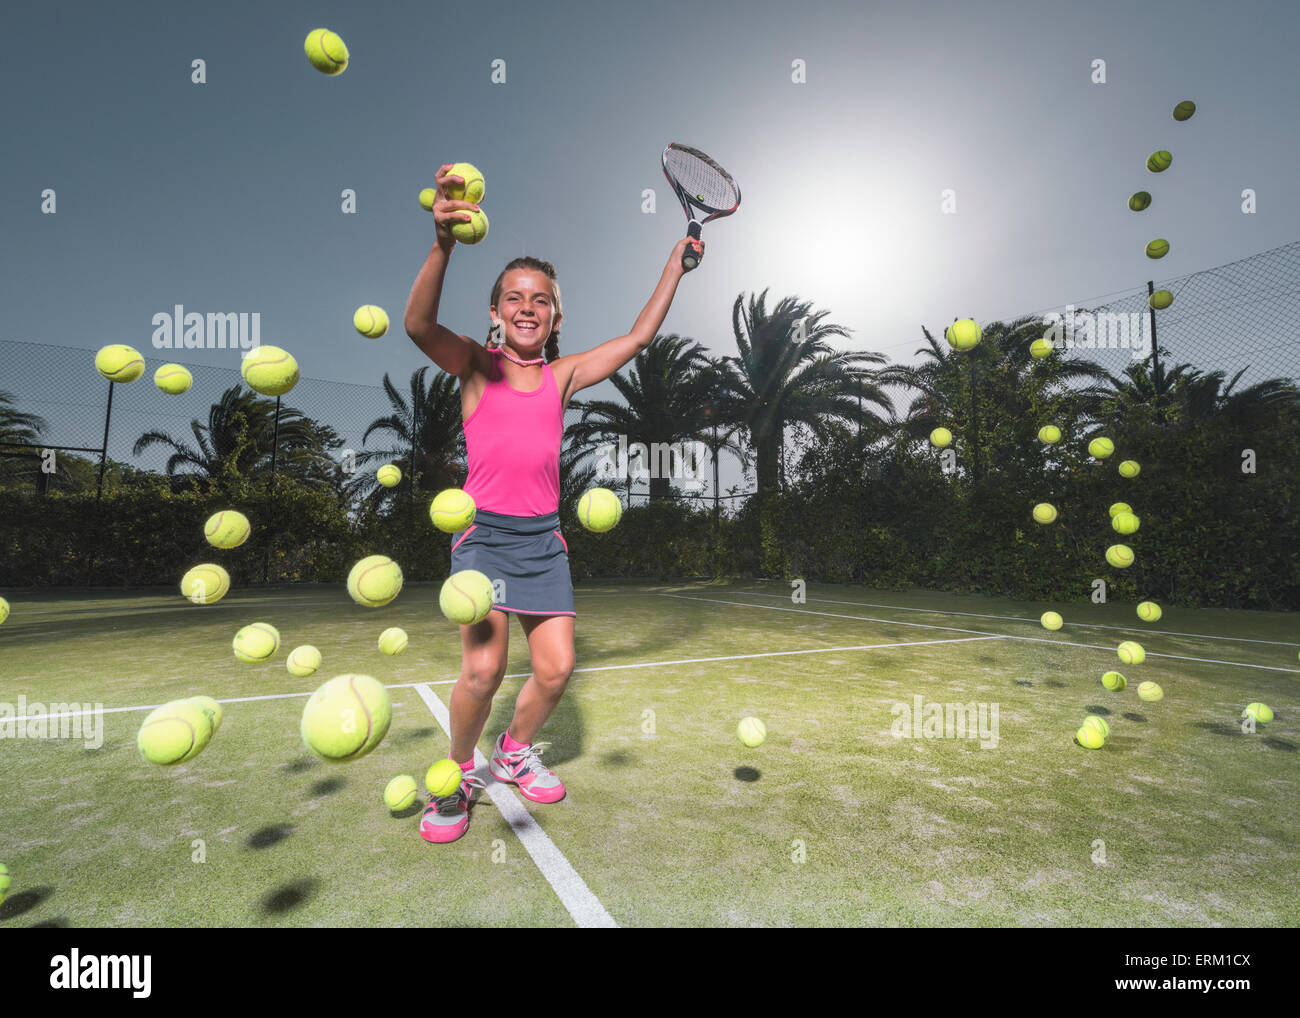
x=225, y=196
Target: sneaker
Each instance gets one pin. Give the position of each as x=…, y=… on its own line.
x=447, y=817
x=524, y=769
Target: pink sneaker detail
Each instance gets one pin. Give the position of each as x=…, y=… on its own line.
x=524, y=769
x=447, y=818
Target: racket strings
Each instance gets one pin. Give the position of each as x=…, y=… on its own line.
x=702, y=179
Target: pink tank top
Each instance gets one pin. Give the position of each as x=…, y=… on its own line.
x=513, y=442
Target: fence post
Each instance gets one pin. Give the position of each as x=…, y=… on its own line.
x=275, y=448
x=1155, y=351
x=103, y=454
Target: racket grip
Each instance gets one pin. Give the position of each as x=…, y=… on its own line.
x=689, y=258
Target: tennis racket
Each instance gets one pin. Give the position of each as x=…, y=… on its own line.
x=701, y=184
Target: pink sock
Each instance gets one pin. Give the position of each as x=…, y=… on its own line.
x=467, y=766
x=509, y=744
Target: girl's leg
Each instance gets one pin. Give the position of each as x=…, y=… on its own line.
x=483, y=666
x=550, y=645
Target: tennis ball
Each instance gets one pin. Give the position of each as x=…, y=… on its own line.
x=4, y=610
x=1099, y=723
x=6, y=881
x=1052, y=621
x=1101, y=448
x=1126, y=523
x=599, y=510
x=256, y=642
x=173, y=379
x=1089, y=737
x=326, y=51
x=427, y=197
x=1150, y=692
x=941, y=438
x=1044, y=512
x=374, y=581
x=1049, y=434
x=211, y=710
x=443, y=778
x=269, y=370
x=303, y=661
x=1160, y=300
x=346, y=718
x=1120, y=555
x=370, y=320
x=474, y=187
x=1129, y=468
x=1158, y=248
x=474, y=230
x=1261, y=712
x=392, y=641
x=1040, y=348
x=227, y=529
x=1131, y=653
x=452, y=510
x=174, y=733
x=1139, y=201
x=751, y=732
x=1114, y=681
x=1159, y=161
x=466, y=597
x=1149, y=611
x=400, y=793
x=1119, y=507
x=119, y=363
x=389, y=475
x=1184, y=110
x=205, y=584
x=964, y=334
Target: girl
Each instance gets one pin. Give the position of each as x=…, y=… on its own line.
x=512, y=403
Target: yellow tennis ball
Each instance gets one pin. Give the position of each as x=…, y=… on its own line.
x=1184, y=110
x=474, y=230
x=173, y=379
x=1099, y=723
x=751, y=731
x=174, y=733
x=1131, y=653
x=370, y=320
x=1261, y=712
x=207, y=583
x=400, y=793
x=256, y=642
x=964, y=334
x=346, y=718
x=1119, y=507
x=1089, y=737
x=1129, y=468
x=1120, y=555
x=1040, y=348
x=1139, y=201
x=466, y=597
x=119, y=363
x=389, y=475
x=1052, y=621
x=326, y=51
x=599, y=510
x=269, y=370
x=1044, y=512
x=1101, y=448
x=374, y=581
x=941, y=438
x=1150, y=692
x=1158, y=248
x=427, y=197
x=452, y=510
x=6, y=881
x=1149, y=611
x=4, y=610
x=443, y=778
x=1049, y=434
x=1159, y=161
x=1160, y=300
x=392, y=641
x=1114, y=681
x=227, y=529
x=211, y=710
x=303, y=661
x=1126, y=523
x=474, y=187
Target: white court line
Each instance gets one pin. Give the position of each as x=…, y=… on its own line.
x=572, y=890
x=1017, y=618
x=955, y=629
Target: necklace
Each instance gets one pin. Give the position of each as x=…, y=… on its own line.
x=511, y=357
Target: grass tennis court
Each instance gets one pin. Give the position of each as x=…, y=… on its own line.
x=669, y=819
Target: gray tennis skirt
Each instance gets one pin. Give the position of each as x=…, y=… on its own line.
x=527, y=555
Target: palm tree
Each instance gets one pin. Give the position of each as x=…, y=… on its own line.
x=19, y=433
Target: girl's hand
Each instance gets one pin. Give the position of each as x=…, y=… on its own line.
x=445, y=210
x=680, y=248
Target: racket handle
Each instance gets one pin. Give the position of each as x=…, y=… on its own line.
x=689, y=258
